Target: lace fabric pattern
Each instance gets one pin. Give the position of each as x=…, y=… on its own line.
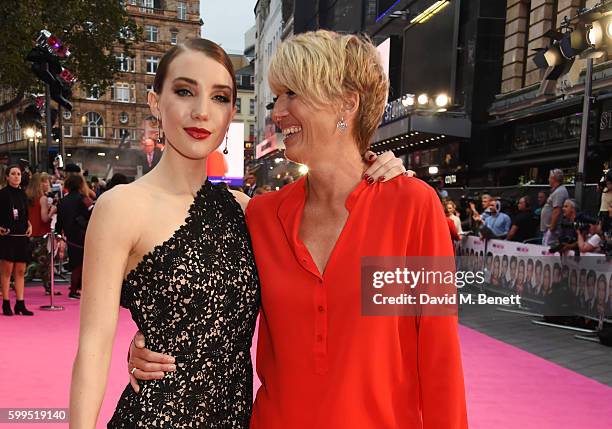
x=196, y=297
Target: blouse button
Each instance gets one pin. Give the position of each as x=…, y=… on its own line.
x=321, y=309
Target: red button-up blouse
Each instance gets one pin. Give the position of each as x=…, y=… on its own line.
x=321, y=363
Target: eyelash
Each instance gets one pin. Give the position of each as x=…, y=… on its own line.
x=181, y=93
x=270, y=106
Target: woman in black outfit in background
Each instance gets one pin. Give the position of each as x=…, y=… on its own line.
x=14, y=242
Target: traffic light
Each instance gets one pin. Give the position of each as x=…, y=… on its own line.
x=45, y=58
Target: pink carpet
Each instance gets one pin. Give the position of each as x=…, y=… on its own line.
x=507, y=388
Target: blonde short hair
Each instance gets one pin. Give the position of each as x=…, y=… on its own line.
x=323, y=67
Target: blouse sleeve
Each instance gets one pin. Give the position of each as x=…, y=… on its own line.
x=438, y=353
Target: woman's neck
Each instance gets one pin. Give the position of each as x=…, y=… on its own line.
x=178, y=174
x=332, y=179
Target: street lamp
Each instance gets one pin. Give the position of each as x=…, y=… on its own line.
x=30, y=133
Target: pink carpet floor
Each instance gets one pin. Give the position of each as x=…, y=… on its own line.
x=507, y=388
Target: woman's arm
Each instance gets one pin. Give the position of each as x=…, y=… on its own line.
x=438, y=353
x=46, y=210
x=108, y=242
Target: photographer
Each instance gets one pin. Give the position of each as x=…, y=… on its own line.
x=496, y=224
x=589, y=236
x=567, y=238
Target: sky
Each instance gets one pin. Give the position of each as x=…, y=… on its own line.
x=226, y=21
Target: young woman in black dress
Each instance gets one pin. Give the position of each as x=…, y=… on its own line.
x=15, y=230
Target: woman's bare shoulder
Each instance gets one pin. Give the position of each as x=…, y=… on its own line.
x=127, y=201
x=242, y=198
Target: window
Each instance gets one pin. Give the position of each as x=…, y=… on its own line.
x=251, y=106
x=238, y=105
x=147, y=6
x=94, y=125
x=149, y=89
x=9, y=131
x=252, y=80
x=181, y=10
x=1, y=133
x=251, y=131
x=124, y=117
x=92, y=93
x=17, y=131
x=152, y=63
x=122, y=133
x=173, y=37
x=151, y=33
x=67, y=130
x=124, y=92
x=126, y=64
x=67, y=114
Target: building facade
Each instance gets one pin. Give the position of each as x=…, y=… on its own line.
x=536, y=122
x=103, y=132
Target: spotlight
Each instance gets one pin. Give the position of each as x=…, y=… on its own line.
x=595, y=34
x=433, y=170
x=442, y=100
x=303, y=169
x=574, y=42
x=550, y=57
x=423, y=99
x=408, y=100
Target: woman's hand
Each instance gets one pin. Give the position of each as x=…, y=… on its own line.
x=143, y=364
x=29, y=231
x=384, y=167
x=3, y=231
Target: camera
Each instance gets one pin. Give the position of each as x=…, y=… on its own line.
x=583, y=223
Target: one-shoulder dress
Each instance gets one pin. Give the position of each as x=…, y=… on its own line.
x=196, y=297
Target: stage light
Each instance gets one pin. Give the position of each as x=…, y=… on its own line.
x=574, y=42
x=595, y=34
x=29, y=132
x=408, y=100
x=442, y=100
x=548, y=57
x=303, y=169
x=433, y=170
x=423, y=99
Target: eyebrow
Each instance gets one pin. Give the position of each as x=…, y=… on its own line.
x=194, y=83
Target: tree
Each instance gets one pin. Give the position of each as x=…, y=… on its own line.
x=93, y=31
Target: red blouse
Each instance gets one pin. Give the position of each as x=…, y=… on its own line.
x=321, y=363
x=39, y=228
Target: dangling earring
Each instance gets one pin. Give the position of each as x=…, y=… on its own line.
x=225, y=151
x=342, y=125
x=159, y=134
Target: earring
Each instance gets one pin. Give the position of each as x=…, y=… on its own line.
x=159, y=133
x=342, y=125
x=225, y=151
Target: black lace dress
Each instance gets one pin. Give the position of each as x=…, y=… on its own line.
x=196, y=297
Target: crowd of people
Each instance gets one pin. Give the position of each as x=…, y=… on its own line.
x=555, y=220
x=32, y=205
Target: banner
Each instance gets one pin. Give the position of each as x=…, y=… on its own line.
x=582, y=283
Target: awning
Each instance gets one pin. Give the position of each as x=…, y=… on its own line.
x=447, y=124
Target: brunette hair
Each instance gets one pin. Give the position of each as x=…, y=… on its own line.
x=208, y=48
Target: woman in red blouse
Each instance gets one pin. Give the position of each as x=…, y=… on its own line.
x=322, y=364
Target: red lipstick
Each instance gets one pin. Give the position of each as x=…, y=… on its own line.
x=197, y=133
